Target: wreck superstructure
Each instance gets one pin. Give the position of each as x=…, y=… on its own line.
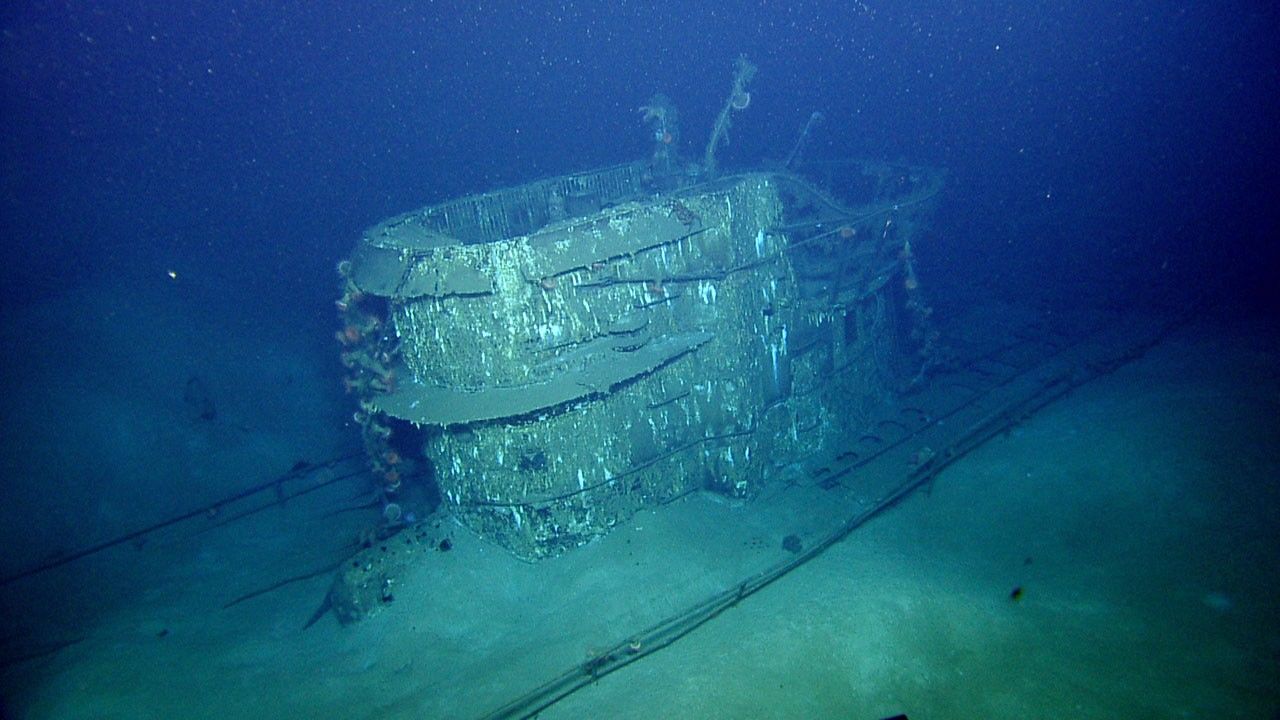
x=580, y=347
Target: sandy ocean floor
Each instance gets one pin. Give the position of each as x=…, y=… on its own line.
x=1134, y=515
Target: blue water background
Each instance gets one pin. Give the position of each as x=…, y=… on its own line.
x=247, y=144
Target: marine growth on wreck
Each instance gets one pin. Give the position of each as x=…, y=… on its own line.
x=552, y=357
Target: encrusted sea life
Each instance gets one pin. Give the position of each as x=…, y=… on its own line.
x=682, y=212
x=553, y=375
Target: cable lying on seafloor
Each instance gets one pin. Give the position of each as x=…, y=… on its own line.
x=677, y=626
x=300, y=469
